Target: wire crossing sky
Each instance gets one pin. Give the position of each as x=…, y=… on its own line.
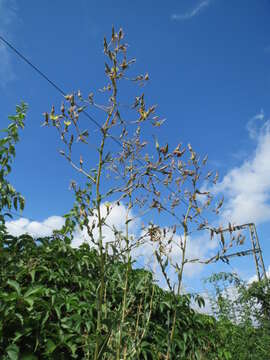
x=208, y=63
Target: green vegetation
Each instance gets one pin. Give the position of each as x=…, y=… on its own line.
x=48, y=310
x=60, y=302
x=48, y=306
x=9, y=197
x=243, y=315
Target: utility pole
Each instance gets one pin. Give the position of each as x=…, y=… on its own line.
x=255, y=249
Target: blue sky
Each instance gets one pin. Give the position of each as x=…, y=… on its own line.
x=208, y=63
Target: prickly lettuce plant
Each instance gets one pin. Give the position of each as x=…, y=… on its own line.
x=150, y=180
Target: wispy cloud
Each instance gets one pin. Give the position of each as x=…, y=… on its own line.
x=247, y=187
x=8, y=14
x=193, y=12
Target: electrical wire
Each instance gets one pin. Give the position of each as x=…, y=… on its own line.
x=63, y=93
x=44, y=76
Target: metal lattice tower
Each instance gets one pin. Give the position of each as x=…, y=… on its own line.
x=257, y=253
x=255, y=249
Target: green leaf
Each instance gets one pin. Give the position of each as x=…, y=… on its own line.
x=28, y=357
x=72, y=347
x=15, y=286
x=15, y=203
x=30, y=302
x=13, y=352
x=18, y=335
x=104, y=345
x=20, y=317
x=58, y=312
x=22, y=203
x=34, y=290
x=32, y=274
x=45, y=318
x=50, y=346
x=167, y=303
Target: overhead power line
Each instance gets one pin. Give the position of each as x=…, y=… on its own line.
x=32, y=65
x=63, y=93
x=43, y=75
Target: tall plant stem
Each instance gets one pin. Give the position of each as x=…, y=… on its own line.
x=100, y=239
x=125, y=286
x=180, y=277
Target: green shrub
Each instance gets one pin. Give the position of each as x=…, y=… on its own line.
x=48, y=306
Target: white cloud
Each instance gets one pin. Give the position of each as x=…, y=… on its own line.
x=247, y=187
x=116, y=218
x=8, y=14
x=255, y=124
x=197, y=247
x=255, y=277
x=194, y=12
x=35, y=228
x=207, y=308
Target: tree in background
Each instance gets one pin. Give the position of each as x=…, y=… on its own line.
x=243, y=313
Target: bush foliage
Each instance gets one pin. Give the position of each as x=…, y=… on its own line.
x=48, y=310
x=48, y=306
